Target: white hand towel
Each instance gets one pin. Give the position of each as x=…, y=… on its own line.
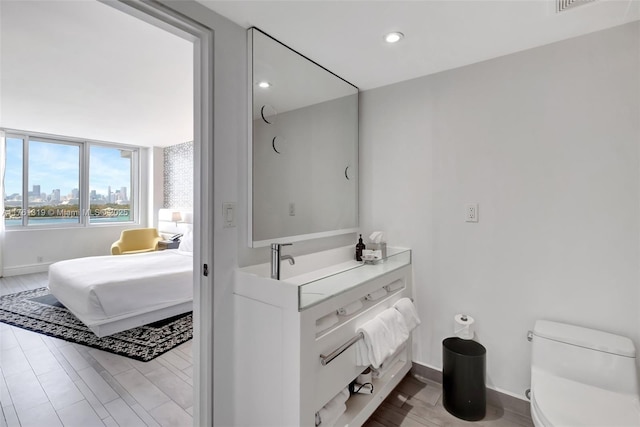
x=409, y=313
x=326, y=322
x=383, y=335
x=350, y=308
x=343, y=396
x=376, y=294
x=330, y=412
x=328, y=419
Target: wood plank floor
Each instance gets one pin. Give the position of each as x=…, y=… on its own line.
x=418, y=403
x=46, y=382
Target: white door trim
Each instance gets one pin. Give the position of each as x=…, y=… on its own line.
x=164, y=17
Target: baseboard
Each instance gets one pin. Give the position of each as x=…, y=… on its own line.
x=494, y=398
x=26, y=269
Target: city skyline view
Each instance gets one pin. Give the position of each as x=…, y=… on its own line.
x=55, y=167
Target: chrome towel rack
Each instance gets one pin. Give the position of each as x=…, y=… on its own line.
x=325, y=359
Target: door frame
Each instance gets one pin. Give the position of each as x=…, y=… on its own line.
x=160, y=15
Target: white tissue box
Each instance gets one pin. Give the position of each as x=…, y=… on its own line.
x=372, y=256
x=379, y=247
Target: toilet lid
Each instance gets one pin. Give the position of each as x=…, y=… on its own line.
x=561, y=402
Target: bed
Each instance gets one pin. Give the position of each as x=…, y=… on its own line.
x=111, y=293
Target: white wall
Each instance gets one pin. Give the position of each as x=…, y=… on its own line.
x=546, y=141
x=23, y=247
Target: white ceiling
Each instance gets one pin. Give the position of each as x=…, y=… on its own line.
x=85, y=69
x=346, y=36
x=81, y=68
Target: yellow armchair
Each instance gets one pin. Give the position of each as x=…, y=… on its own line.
x=136, y=240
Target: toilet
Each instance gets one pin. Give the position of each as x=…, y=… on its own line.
x=582, y=377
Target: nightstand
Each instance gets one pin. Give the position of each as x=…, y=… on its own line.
x=168, y=244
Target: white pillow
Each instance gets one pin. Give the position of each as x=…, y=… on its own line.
x=186, y=242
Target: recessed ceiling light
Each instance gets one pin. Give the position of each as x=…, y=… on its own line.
x=393, y=37
x=264, y=85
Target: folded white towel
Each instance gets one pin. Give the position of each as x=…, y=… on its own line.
x=343, y=396
x=394, y=286
x=350, y=308
x=409, y=313
x=328, y=419
x=326, y=322
x=330, y=412
x=376, y=294
x=383, y=336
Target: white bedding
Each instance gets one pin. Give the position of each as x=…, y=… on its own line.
x=97, y=289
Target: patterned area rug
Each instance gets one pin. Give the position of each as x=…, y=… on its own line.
x=39, y=311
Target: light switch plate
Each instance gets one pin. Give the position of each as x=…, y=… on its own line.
x=229, y=214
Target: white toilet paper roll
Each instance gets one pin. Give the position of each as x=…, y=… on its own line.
x=463, y=326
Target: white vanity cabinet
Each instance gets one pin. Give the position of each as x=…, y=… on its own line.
x=280, y=380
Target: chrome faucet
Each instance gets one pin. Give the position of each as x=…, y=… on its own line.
x=276, y=257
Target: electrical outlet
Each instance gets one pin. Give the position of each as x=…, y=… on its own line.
x=471, y=212
x=38, y=258
x=292, y=209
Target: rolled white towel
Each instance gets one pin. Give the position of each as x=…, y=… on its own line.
x=383, y=336
x=376, y=294
x=408, y=310
x=350, y=308
x=326, y=322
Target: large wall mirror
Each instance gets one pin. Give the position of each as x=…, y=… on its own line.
x=304, y=147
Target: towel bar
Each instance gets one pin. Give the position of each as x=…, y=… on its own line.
x=325, y=359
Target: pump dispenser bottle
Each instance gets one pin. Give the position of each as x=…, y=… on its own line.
x=359, y=248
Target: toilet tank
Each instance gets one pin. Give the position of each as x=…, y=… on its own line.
x=585, y=355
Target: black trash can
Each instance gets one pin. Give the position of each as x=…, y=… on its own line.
x=464, y=393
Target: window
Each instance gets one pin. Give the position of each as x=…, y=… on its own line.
x=110, y=184
x=13, y=182
x=56, y=182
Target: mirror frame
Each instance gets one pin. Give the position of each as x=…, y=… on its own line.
x=294, y=238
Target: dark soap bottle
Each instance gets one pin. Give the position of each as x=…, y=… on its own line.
x=359, y=248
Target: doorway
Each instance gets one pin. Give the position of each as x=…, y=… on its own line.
x=203, y=300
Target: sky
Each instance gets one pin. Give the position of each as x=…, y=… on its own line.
x=56, y=166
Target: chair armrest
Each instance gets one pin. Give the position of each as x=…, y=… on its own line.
x=115, y=249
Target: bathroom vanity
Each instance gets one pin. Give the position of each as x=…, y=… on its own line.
x=286, y=369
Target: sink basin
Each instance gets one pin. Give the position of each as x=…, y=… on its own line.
x=309, y=267
x=314, y=277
